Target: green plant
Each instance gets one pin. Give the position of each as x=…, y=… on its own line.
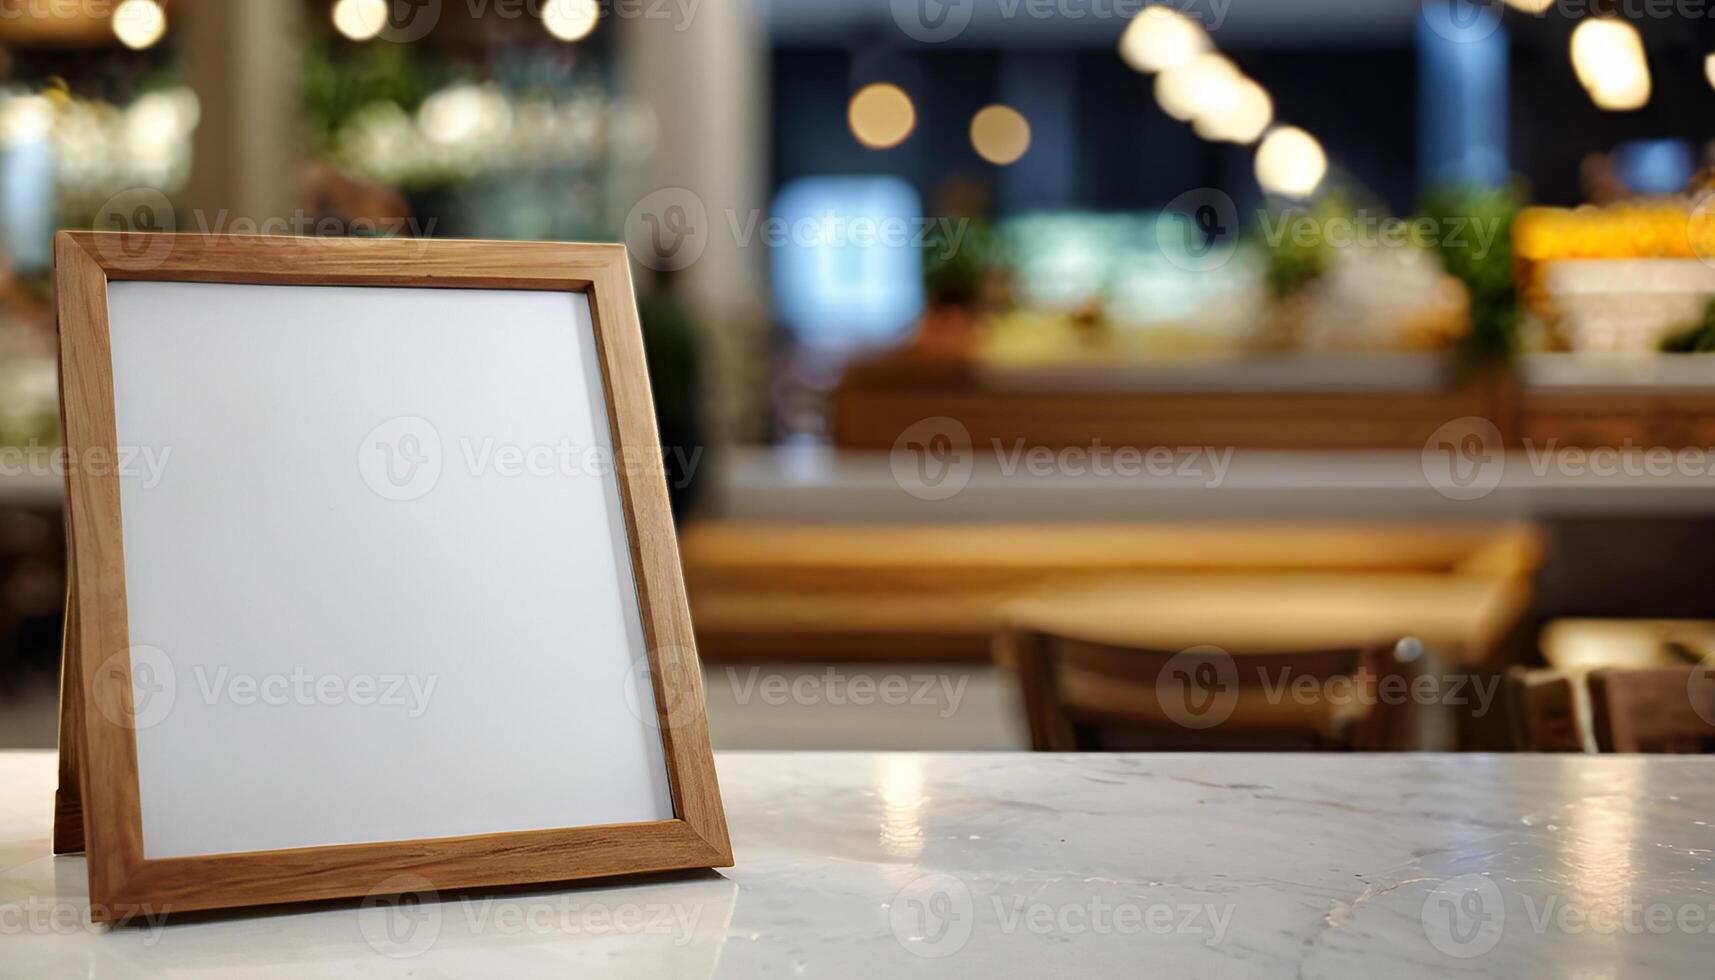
x=1483, y=262
x=340, y=79
x=1293, y=260
x=955, y=269
x=1698, y=338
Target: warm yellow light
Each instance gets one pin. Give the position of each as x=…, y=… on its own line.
x=1709, y=68
x=1206, y=83
x=464, y=115
x=1240, y=119
x=1624, y=98
x=1530, y=6
x=1000, y=134
x=157, y=120
x=1290, y=162
x=26, y=118
x=360, y=20
x=139, y=23
x=1608, y=56
x=570, y=20
x=881, y=115
x=1160, y=38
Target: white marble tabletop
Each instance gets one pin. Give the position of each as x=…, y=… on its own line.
x=1015, y=865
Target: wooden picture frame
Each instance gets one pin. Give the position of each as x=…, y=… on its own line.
x=98, y=807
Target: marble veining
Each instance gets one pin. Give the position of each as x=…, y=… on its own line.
x=1016, y=865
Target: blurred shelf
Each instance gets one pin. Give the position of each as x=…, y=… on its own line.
x=1643, y=400
x=59, y=25
x=825, y=484
x=1648, y=374
x=1287, y=401
x=1323, y=401
x=1328, y=373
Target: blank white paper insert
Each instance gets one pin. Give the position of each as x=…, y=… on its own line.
x=378, y=580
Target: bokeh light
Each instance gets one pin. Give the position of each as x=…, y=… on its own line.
x=1290, y=162
x=570, y=20
x=1239, y=119
x=25, y=118
x=360, y=20
x=1206, y=82
x=1160, y=38
x=881, y=115
x=139, y=23
x=1000, y=134
x=464, y=114
x=1608, y=56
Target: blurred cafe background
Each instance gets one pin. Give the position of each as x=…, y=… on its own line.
x=1053, y=374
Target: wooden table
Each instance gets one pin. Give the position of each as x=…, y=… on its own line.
x=1006, y=865
x=1458, y=621
x=936, y=592
x=1462, y=618
x=1581, y=645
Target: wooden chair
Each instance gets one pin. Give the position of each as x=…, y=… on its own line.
x=1542, y=706
x=1657, y=710
x=1086, y=696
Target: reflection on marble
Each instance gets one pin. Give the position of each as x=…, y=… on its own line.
x=866, y=865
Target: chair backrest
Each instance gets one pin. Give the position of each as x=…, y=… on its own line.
x=1658, y=710
x=1083, y=695
x=1543, y=708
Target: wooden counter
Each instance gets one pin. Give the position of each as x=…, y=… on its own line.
x=935, y=592
x=1312, y=401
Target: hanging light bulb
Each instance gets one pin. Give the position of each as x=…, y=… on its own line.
x=138, y=24
x=881, y=115
x=570, y=20
x=1239, y=119
x=1608, y=57
x=360, y=20
x=1290, y=162
x=1206, y=83
x=1000, y=134
x=1159, y=38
